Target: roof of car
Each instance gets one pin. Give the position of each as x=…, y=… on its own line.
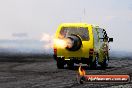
x=78, y=24
x=75, y=24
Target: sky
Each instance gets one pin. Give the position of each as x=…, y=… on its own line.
x=31, y=19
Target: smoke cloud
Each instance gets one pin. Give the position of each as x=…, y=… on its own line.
x=48, y=41
x=44, y=45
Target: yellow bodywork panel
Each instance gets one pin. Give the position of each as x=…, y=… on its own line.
x=86, y=45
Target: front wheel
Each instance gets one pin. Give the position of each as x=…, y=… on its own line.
x=104, y=64
x=94, y=64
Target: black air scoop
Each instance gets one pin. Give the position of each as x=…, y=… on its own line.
x=73, y=43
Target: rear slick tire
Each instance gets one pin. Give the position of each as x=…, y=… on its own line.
x=70, y=65
x=60, y=64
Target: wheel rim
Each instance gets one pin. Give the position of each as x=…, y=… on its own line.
x=96, y=61
x=106, y=61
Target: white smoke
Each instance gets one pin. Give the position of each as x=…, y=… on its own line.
x=48, y=41
x=41, y=45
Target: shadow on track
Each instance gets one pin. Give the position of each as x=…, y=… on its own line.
x=88, y=68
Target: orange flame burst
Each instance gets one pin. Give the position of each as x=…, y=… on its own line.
x=60, y=43
x=81, y=71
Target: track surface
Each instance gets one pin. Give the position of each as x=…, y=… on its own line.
x=44, y=74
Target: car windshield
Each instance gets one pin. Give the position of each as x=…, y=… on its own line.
x=81, y=31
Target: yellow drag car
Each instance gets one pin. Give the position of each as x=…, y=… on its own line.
x=81, y=43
